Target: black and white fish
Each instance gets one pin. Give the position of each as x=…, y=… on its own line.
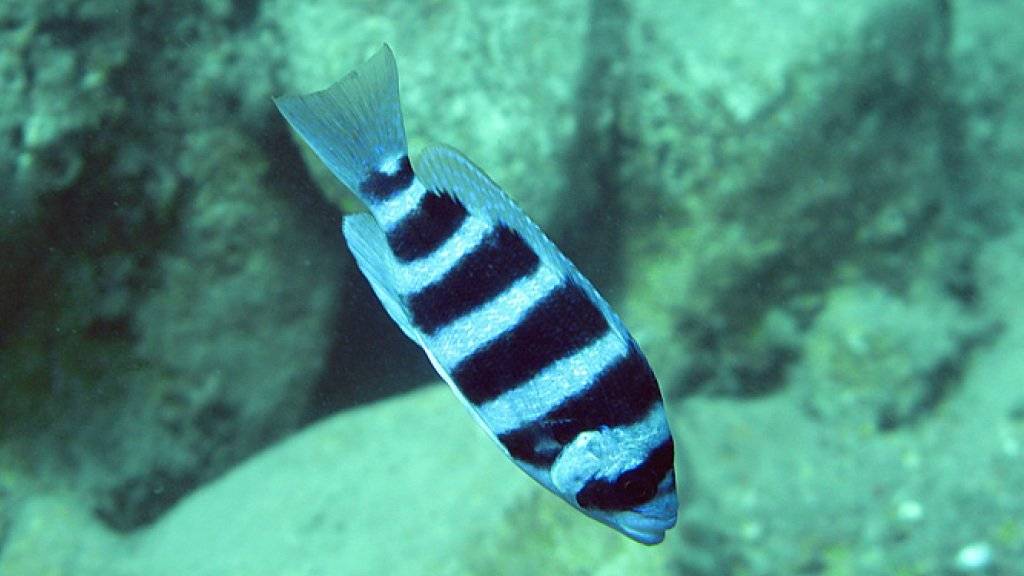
x=523, y=339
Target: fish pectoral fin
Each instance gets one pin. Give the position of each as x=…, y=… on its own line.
x=366, y=240
x=579, y=462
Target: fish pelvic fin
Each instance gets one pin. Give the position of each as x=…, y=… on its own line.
x=355, y=125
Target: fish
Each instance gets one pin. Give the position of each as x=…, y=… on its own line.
x=523, y=339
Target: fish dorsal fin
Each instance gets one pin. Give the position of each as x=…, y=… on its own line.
x=373, y=256
x=442, y=168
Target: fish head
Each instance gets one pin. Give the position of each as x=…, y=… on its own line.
x=637, y=498
x=647, y=522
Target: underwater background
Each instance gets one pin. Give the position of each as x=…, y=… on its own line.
x=809, y=213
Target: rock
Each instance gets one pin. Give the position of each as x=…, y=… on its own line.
x=55, y=92
x=411, y=486
x=500, y=83
x=7, y=512
x=873, y=359
x=55, y=534
x=170, y=310
x=766, y=474
x=55, y=88
x=748, y=175
x=242, y=289
x=974, y=558
x=772, y=147
x=984, y=57
x=405, y=486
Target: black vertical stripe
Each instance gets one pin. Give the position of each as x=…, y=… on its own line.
x=379, y=186
x=532, y=445
x=620, y=395
x=435, y=219
x=633, y=487
x=500, y=259
x=558, y=325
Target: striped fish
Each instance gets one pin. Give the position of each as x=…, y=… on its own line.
x=522, y=338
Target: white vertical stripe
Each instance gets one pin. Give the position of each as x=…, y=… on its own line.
x=632, y=444
x=554, y=385
x=392, y=165
x=411, y=277
x=472, y=331
x=396, y=208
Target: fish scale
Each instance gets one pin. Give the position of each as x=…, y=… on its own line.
x=524, y=340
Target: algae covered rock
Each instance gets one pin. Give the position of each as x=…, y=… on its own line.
x=876, y=359
x=55, y=89
x=985, y=55
x=55, y=534
x=230, y=342
x=772, y=147
x=407, y=486
x=169, y=311
x=499, y=83
x=860, y=499
x=55, y=95
x=398, y=487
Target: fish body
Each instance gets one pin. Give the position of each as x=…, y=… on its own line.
x=523, y=339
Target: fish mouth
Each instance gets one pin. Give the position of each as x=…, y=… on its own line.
x=645, y=529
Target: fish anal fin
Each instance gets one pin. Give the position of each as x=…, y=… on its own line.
x=369, y=246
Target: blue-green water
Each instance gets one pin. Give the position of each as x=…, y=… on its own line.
x=808, y=214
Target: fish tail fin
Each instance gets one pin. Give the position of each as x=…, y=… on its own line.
x=355, y=125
